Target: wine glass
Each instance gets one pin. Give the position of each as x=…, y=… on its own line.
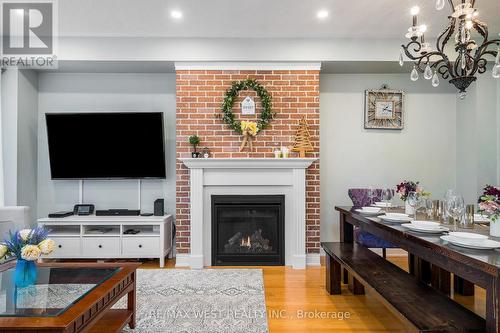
x=455, y=205
x=371, y=194
x=446, y=214
x=386, y=197
x=414, y=200
x=429, y=208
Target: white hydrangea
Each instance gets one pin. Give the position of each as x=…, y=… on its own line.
x=25, y=234
x=47, y=246
x=3, y=250
x=30, y=252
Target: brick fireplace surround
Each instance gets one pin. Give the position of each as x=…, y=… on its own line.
x=199, y=95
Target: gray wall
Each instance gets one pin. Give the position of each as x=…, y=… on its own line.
x=351, y=156
x=19, y=137
x=477, y=138
x=27, y=144
x=9, y=135
x=65, y=92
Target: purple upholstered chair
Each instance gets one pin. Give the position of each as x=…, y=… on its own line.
x=359, y=197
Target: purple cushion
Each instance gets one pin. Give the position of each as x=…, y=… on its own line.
x=359, y=197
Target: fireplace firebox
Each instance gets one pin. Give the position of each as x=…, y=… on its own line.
x=248, y=230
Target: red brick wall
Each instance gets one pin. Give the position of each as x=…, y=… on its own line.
x=295, y=94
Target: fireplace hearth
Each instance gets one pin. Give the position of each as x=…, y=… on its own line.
x=248, y=230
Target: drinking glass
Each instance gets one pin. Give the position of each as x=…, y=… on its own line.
x=414, y=200
x=455, y=205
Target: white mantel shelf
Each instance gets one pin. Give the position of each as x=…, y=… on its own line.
x=247, y=176
x=245, y=163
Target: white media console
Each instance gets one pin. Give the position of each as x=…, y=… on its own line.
x=103, y=237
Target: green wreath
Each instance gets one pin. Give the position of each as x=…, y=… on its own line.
x=266, y=115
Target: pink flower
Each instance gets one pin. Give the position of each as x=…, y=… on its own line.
x=490, y=207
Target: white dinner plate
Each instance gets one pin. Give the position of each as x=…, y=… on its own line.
x=486, y=244
x=369, y=212
x=427, y=230
x=395, y=219
x=382, y=204
x=468, y=237
x=478, y=218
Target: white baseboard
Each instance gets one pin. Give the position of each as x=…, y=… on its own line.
x=182, y=260
x=186, y=260
x=313, y=259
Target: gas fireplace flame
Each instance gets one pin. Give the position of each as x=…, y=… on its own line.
x=246, y=242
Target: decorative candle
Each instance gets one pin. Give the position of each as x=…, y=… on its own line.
x=414, y=12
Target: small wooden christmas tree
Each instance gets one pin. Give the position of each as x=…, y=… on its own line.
x=302, y=139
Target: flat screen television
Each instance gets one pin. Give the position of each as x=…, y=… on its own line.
x=127, y=145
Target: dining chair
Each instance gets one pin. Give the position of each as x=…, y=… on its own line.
x=360, y=198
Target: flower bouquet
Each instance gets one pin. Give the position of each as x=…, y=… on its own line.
x=404, y=188
x=27, y=245
x=489, y=204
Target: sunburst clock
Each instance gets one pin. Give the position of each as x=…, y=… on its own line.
x=384, y=109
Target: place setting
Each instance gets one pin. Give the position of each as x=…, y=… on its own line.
x=395, y=217
x=370, y=211
x=471, y=240
x=427, y=227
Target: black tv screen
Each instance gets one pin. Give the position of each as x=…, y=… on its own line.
x=106, y=145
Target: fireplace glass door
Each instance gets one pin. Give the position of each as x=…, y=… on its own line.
x=248, y=230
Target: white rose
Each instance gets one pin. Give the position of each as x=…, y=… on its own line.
x=3, y=250
x=25, y=234
x=46, y=246
x=30, y=252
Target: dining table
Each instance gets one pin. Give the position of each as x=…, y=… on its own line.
x=480, y=267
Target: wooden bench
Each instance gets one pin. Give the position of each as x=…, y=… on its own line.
x=421, y=307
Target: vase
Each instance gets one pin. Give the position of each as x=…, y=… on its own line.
x=495, y=228
x=409, y=209
x=25, y=273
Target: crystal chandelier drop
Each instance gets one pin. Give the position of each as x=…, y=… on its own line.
x=471, y=56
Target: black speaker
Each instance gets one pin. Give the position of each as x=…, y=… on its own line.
x=159, y=209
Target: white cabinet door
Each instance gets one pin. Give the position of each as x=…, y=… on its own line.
x=97, y=247
x=65, y=247
x=141, y=246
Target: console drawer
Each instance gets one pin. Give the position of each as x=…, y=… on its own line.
x=101, y=246
x=141, y=246
x=65, y=247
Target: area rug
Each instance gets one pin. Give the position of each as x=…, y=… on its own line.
x=200, y=301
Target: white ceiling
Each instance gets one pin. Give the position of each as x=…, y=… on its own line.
x=255, y=18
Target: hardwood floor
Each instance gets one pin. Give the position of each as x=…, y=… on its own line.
x=296, y=300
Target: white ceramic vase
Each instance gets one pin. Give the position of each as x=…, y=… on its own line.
x=409, y=209
x=495, y=228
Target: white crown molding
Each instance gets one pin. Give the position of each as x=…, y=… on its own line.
x=247, y=163
x=182, y=65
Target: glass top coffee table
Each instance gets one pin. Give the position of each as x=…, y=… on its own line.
x=69, y=296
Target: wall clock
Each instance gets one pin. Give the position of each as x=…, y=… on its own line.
x=384, y=109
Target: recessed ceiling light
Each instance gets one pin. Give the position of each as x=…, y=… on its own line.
x=176, y=14
x=322, y=14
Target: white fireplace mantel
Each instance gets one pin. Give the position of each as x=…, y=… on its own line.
x=254, y=176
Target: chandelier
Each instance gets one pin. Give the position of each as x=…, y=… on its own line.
x=471, y=55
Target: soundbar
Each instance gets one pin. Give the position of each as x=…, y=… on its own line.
x=118, y=212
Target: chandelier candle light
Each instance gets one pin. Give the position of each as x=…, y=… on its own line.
x=471, y=56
